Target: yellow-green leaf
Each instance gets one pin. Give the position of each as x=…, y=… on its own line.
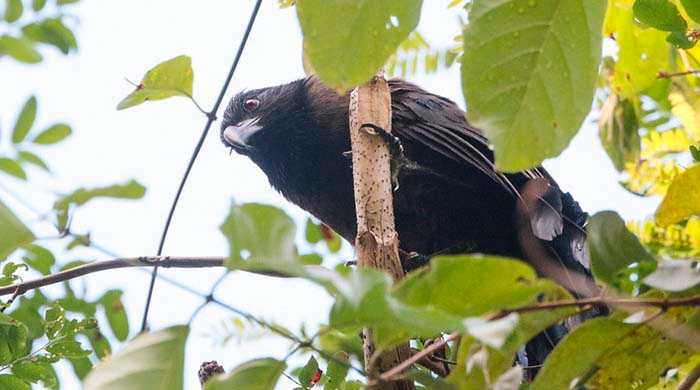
x=170, y=78
x=259, y=374
x=682, y=199
x=347, y=41
x=11, y=167
x=13, y=233
x=13, y=10
x=25, y=120
x=19, y=49
x=529, y=72
x=53, y=134
x=659, y=14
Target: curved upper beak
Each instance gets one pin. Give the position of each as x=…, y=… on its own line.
x=238, y=135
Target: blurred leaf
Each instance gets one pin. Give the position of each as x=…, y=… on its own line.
x=170, y=78
x=527, y=87
x=618, y=131
x=13, y=10
x=660, y=14
x=13, y=233
x=13, y=340
x=12, y=382
x=111, y=301
x=81, y=366
x=680, y=40
x=692, y=8
x=682, y=199
x=11, y=167
x=657, y=145
x=53, y=32
x=634, y=42
x=650, y=177
x=675, y=275
x=68, y=348
x=617, y=354
x=39, y=258
x=130, y=190
x=258, y=374
x=686, y=107
x=336, y=372
x=53, y=134
x=38, y=5
x=35, y=372
x=25, y=120
x=347, y=42
x=32, y=158
x=695, y=153
x=312, y=232
x=153, y=360
x=612, y=247
x=307, y=372
x=19, y=49
x=65, y=2
x=260, y=233
x=99, y=343
x=311, y=259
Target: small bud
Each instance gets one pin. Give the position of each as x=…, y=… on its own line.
x=208, y=370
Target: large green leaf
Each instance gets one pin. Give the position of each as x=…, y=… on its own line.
x=682, y=199
x=260, y=233
x=25, y=120
x=612, y=247
x=347, y=41
x=660, y=14
x=529, y=71
x=129, y=190
x=19, y=49
x=692, y=7
x=170, y=78
x=259, y=374
x=619, y=354
x=151, y=361
x=13, y=233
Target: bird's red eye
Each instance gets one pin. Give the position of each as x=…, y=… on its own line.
x=251, y=104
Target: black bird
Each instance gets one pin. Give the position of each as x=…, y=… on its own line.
x=450, y=198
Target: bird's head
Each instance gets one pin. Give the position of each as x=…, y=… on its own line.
x=255, y=121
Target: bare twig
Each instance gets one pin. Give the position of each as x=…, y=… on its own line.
x=666, y=75
x=393, y=373
x=690, y=380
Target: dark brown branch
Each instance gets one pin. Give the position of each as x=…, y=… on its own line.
x=143, y=261
x=690, y=380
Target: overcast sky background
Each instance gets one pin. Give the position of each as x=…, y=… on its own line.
x=152, y=143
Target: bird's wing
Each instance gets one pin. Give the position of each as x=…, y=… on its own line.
x=439, y=124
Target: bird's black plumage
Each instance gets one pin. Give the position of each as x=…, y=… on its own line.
x=450, y=198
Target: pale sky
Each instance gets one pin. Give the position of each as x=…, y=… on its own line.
x=152, y=143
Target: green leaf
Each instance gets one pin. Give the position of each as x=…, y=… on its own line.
x=111, y=301
x=38, y=5
x=260, y=233
x=618, y=131
x=312, y=232
x=631, y=75
x=12, y=382
x=307, y=372
x=680, y=40
x=151, y=361
x=65, y=2
x=612, y=247
x=682, y=199
x=39, y=258
x=20, y=49
x=336, y=371
x=259, y=374
x=617, y=355
x=692, y=8
x=530, y=85
x=170, y=78
x=81, y=366
x=13, y=10
x=130, y=190
x=99, y=343
x=53, y=134
x=53, y=32
x=347, y=42
x=68, y=348
x=660, y=14
x=674, y=275
x=35, y=372
x=25, y=120
x=32, y=158
x=11, y=167
x=13, y=233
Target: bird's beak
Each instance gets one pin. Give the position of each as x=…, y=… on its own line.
x=238, y=135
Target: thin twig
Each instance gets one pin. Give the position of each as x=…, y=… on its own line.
x=391, y=374
x=211, y=117
x=666, y=75
x=690, y=380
